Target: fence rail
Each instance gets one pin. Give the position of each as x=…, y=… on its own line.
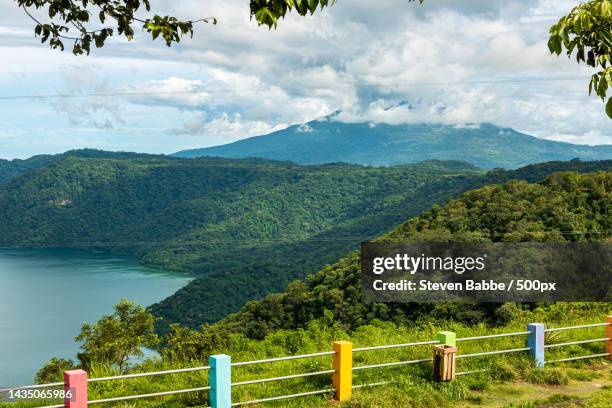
x=220, y=368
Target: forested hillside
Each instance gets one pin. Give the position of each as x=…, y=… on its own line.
x=244, y=228
x=249, y=226
x=329, y=140
x=10, y=169
x=564, y=207
x=227, y=289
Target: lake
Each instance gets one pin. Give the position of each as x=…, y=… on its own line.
x=45, y=296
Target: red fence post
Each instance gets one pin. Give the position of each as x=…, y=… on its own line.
x=75, y=383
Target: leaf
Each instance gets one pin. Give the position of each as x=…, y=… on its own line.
x=609, y=107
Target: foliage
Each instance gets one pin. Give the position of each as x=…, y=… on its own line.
x=78, y=22
x=53, y=370
x=565, y=207
x=284, y=220
x=117, y=337
x=268, y=12
x=587, y=31
x=196, y=216
x=92, y=22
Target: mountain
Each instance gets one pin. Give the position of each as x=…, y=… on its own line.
x=243, y=227
x=564, y=207
x=10, y=169
x=329, y=141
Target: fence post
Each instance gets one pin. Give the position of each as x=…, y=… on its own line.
x=609, y=336
x=75, y=382
x=343, y=370
x=447, y=338
x=444, y=356
x=535, y=342
x=220, y=394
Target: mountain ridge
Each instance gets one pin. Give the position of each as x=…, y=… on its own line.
x=326, y=140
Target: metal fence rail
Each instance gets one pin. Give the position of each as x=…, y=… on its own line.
x=274, y=360
x=394, y=364
x=491, y=353
x=571, y=343
x=283, y=397
x=153, y=373
x=154, y=394
x=494, y=336
x=282, y=378
x=584, y=326
x=392, y=346
x=580, y=358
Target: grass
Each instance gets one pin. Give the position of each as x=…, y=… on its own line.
x=507, y=380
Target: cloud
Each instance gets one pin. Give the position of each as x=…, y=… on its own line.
x=443, y=62
x=101, y=112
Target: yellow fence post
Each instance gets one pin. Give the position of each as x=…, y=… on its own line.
x=609, y=336
x=343, y=370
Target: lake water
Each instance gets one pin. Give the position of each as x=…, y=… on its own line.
x=45, y=296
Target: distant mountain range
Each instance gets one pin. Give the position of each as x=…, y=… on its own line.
x=330, y=141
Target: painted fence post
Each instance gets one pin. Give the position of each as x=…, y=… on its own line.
x=447, y=338
x=343, y=370
x=75, y=385
x=444, y=356
x=609, y=336
x=535, y=342
x=220, y=394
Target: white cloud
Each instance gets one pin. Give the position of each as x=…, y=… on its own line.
x=445, y=62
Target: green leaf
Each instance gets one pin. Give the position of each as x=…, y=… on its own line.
x=609, y=107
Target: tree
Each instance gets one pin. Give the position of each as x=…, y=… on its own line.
x=586, y=32
x=53, y=370
x=117, y=337
x=87, y=22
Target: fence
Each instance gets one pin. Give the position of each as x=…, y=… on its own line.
x=220, y=368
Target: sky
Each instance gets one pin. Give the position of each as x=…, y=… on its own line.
x=446, y=61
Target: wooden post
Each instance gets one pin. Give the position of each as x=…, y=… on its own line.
x=609, y=336
x=75, y=386
x=343, y=370
x=535, y=342
x=444, y=362
x=220, y=394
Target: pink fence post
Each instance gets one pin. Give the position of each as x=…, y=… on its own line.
x=75, y=385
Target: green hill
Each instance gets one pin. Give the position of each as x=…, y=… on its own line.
x=10, y=169
x=328, y=140
x=243, y=228
x=213, y=217
x=564, y=207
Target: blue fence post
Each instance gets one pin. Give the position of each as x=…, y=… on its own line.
x=220, y=394
x=535, y=342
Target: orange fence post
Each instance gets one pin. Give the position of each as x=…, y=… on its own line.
x=75, y=385
x=609, y=336
x=343, y=370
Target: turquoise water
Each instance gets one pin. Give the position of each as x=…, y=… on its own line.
x=45, y=296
